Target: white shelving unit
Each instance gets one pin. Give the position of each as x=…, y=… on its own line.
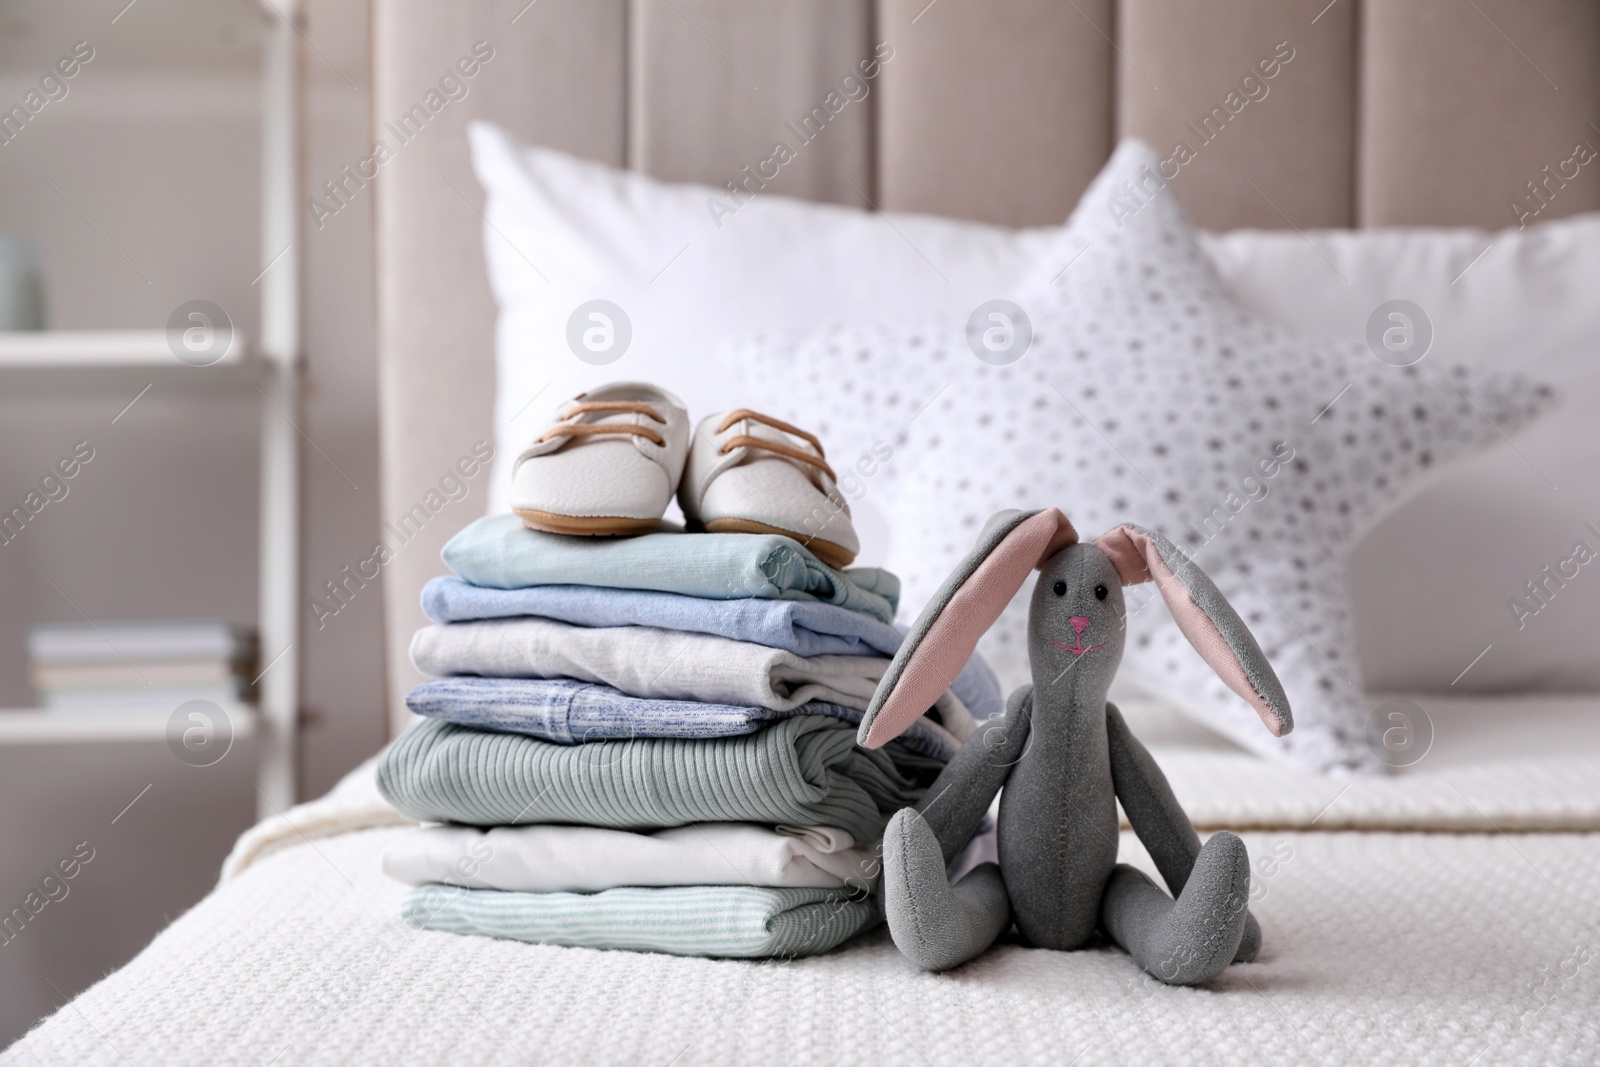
x=100, y=350
x=30, y=726
x=269, y=368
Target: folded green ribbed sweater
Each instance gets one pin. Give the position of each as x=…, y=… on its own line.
x=805, y=771
x=741, y=921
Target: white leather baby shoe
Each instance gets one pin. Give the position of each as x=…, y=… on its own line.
x=750, y=473
x=609, y=465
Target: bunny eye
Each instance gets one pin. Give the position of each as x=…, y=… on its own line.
x=1100, y=592
x=1060, y=589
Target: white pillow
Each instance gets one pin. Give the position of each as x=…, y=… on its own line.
x=1149, y=394
x=560, y=231
x=783, y=265
x=1439, y=581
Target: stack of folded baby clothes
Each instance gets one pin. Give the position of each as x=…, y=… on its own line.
x=649, y=743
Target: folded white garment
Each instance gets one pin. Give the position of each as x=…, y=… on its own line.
x=647, y=662
x=578, y=859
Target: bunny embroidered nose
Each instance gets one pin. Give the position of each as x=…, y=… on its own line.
x=1079, y=623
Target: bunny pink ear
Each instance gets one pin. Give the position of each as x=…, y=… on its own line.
x=1012, y=544
x=1205, y=617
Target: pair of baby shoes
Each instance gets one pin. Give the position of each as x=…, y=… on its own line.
x=616, y=455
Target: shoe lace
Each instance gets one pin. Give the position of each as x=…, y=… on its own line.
x=818, y=461
x=594, y=429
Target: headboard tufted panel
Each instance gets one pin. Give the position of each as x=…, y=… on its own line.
x=1025, y=87
x=717, y=82
x=1260, y=96
x=1464, y=104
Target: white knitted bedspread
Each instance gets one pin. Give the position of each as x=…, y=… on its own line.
x=1380, y=947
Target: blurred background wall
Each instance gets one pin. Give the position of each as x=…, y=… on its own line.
x=140, y=189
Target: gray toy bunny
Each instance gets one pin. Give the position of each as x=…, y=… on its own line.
x=1065, y=757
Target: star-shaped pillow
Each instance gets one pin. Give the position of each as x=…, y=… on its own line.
x=1149, y=394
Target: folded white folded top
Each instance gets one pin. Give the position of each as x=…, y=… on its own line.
x=579, y=859
x=672, y=664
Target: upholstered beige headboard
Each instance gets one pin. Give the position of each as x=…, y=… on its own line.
x=1390, y=112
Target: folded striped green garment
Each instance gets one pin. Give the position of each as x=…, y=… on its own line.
x=805, y=771
x=738, y=921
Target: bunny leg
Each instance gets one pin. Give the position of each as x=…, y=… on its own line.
x=935, y=924
x=1191, y=939
x=1157, y=817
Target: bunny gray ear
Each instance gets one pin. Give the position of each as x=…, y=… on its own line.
x=1205, y=617
x=1011, y=545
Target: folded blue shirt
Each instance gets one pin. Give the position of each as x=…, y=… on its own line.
x=804, y=628
x=498, y=552
x=567, y=711
x=801, y=627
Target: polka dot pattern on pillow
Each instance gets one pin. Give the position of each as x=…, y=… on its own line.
x=1150, y=395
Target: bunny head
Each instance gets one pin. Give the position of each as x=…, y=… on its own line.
x=1071, y=625
x=1077, y=622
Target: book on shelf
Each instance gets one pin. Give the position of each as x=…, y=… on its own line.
x=140, y=640
x=142, y=666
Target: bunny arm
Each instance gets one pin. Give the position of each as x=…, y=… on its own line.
x=957, y=800
x=1157, y=818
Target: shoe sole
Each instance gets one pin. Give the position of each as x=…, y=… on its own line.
x=836, y=556
x=586, y=525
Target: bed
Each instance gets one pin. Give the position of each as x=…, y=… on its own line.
x=1441, y=916
x=1441, y=913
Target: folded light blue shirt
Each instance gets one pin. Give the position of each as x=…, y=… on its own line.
x=498, y=552
x=805, y=628
x=567, y=711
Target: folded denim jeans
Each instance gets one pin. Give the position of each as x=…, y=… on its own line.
x=570, y=712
